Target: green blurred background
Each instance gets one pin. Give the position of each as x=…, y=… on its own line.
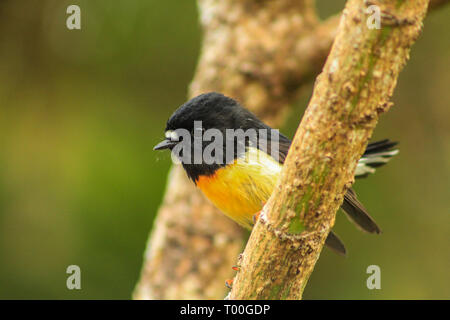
x=81, y=110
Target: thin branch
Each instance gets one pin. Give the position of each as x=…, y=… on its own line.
x=354, y=88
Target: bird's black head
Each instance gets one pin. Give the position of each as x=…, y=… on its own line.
x=198, y=116
x=214, y=110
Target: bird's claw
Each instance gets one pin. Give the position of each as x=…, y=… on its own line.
x=256, y=217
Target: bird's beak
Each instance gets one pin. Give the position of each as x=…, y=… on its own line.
x=165, y=144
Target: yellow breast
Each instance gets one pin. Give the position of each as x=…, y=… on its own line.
x=241, y=189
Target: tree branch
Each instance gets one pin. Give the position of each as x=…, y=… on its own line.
x=353, y=89
x=261, y=53
x=247, y=53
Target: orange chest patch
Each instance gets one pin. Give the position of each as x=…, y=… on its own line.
x=240, y=190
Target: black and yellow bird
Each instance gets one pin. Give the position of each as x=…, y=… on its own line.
x=240, y=188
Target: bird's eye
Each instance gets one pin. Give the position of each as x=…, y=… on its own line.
x=172, y=135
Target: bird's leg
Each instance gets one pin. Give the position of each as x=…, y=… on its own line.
x=256, y=215
x=237, y=268
x=229, y=283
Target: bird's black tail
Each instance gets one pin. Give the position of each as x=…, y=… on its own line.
x=334, y=243
x=376, y=155
x=358, y=214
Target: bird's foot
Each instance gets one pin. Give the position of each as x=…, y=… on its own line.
x=229, y=283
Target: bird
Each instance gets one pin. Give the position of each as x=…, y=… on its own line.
x=240, y=188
